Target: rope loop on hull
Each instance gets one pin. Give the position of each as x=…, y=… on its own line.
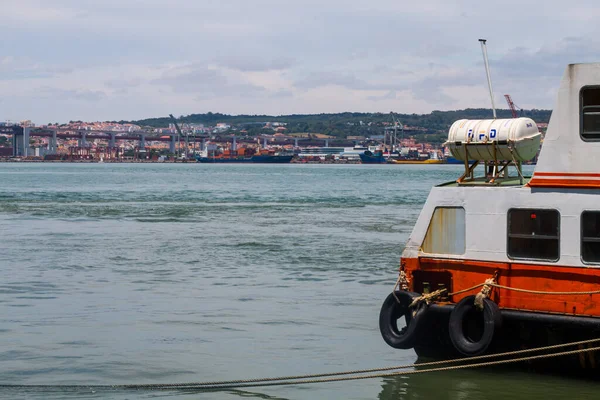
x=484, y=293
x=402, y=283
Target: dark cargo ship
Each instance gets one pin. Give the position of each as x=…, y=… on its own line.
x=241, y=156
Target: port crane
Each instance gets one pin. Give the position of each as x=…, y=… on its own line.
x=179, y=134
x=512, y=106
x=397, y=125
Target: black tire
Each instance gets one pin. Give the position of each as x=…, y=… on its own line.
x=392, y=311
x=486, y=323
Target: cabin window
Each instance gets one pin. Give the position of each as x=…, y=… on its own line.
x=590, y=113
x=590, y=237
x=446, y=232
x=534, y=234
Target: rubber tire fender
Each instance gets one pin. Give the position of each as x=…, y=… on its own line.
x=492, y=321
x=391, y=311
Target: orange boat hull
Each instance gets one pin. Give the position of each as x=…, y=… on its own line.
x=547, y=278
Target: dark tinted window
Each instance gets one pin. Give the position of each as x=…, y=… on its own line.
x=590, y=237
x=534, y=234
x=590, y=113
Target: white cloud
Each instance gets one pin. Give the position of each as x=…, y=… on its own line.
x=71, y=94
x=35, y=12
x=251, y=63
x=127, y=59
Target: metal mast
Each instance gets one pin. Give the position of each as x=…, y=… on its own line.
x=487, y=71
x=396, y=124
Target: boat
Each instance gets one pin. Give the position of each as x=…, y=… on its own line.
x=240, y=156
x=320, y=152
x=498, y=261
x=370, y=157
x=427, y=161
x=433, y=159
x=452, y=160
x=337, y=153
x=272, y=158
x=257, y=159
x=219, y=160
x=353, y=153
x=449, y=159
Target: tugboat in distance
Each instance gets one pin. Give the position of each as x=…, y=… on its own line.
x=369, y=157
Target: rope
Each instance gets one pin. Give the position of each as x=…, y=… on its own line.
x=330, y=377
x=403, y=282
x=427, y=297
x=588, y=292
x=466, y=290
x=484, y=293
x=549, y=293
x=394, y=374
x=395, y=286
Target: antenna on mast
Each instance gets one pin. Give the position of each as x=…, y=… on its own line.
x=487, y=72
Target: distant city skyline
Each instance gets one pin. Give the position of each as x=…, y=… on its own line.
x=127, y=60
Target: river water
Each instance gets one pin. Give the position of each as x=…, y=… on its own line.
x=146, y=273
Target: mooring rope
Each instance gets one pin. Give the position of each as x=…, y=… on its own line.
x=394, y=374
x=326, y=377
x=587, y=292
x=432, y=297
x=543, y=292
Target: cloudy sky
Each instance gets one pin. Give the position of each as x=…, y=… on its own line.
x=64, y=60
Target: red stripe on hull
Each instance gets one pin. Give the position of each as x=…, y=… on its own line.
x=550, y=278
x=565, y=183
x=574, y=174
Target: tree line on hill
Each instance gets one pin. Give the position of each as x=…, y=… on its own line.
x=434, y=125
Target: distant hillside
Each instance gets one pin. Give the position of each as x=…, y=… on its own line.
x=345, y=124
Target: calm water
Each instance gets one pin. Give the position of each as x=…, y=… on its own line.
x=170, y=273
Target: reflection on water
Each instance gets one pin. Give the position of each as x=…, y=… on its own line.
x=486, y=384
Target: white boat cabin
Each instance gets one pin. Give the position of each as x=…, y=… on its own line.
x=552, y=218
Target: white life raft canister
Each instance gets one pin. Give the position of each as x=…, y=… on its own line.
x=515, y=139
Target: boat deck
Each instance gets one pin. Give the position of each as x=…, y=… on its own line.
x=482, y=181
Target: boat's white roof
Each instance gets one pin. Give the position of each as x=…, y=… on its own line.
x=566, y=158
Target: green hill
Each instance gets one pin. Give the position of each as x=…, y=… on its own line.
x=435, y=124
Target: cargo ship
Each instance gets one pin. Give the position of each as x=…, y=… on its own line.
x=244, y=155
x=498, y=261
